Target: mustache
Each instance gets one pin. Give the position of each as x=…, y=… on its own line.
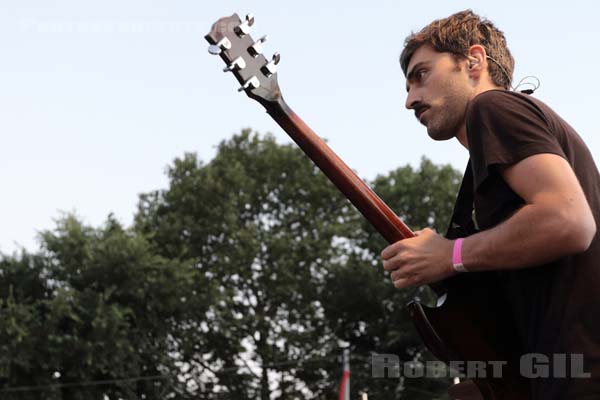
x=419, y=108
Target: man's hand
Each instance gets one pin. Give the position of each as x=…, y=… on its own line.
x=420, y=260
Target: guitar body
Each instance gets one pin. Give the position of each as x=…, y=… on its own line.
x=471, y=322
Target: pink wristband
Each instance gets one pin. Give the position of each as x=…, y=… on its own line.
x=457, y=263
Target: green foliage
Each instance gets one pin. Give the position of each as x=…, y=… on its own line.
x=298, y=266
x=421, y=198
x=245, y=278
x=362, y=304
x=96, y=305
x=260, y=220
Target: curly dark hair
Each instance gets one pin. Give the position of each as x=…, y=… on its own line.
x=456, y=34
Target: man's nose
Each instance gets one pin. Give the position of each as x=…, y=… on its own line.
x=411, y=99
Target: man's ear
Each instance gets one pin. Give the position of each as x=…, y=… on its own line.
x=477, y=60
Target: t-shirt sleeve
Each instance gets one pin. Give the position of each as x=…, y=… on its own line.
x=504, y=128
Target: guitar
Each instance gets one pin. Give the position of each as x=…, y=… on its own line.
x=470, y=322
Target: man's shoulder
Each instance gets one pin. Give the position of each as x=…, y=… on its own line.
x=500, y=104
x=498, y=98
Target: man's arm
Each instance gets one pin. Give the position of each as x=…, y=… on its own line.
x=555, y=221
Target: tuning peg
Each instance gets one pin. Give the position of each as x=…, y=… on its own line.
x=221, y=45
x=235, y=65
x=251, y=83
x=257, y=47
x=244, y=28
x=276, y=58
x=269, y=68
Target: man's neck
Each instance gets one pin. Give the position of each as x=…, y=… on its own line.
x=461, y=135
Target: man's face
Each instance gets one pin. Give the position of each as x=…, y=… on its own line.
x=439, y=92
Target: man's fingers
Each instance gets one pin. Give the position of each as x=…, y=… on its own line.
x=401, y=273
x=396, y=262
x=406, y=282
x=402, y=280
x=401, y=283
x=391, y=250
x=424, y=230
x=389, y=265
x=397, y=274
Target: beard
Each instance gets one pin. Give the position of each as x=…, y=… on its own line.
x=447, y=116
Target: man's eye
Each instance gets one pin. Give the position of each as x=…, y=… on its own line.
x=420, y=74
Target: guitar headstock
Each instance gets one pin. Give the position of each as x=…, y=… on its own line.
x=230, y=38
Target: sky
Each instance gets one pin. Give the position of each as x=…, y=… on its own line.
x=97, y=98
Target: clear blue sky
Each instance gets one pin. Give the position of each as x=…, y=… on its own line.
x=97, y=98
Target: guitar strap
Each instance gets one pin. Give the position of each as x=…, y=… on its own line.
x=462, y=223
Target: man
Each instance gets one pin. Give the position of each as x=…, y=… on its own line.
x=534, y=188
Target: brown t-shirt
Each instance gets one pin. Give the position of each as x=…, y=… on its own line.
x=557, y=305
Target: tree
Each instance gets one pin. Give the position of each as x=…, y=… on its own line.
x=294, y=261
x=363, y=306
x=245, y=278
x=262, y=222
x=95, y=305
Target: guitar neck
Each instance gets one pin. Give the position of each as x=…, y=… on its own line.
x=383, y=219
